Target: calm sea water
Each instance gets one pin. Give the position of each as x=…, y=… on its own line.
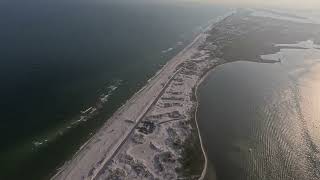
x=261, y=121
x=58, y=57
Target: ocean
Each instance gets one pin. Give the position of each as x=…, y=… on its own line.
x=58, y=58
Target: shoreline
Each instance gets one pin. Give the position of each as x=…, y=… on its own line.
x=196, y=93
x=204, y=171
x=121, y=108
x=204, y=152
x=84, y=147
x=94, y=155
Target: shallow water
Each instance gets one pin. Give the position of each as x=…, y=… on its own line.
x=261, y=121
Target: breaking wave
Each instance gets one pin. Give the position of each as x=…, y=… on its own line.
x=87, y=114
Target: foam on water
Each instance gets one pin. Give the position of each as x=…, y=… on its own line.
x=84, y=115
x=167, y=50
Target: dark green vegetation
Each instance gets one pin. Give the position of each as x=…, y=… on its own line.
x=192, y=159
x=243, y=37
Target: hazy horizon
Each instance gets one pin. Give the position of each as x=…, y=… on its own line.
x=281, y=4
x=292, y=4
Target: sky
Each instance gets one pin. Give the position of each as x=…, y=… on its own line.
x=292, y=4
x=281, y=4
x=275, y=3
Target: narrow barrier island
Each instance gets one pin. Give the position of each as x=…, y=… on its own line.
x=155, y=135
